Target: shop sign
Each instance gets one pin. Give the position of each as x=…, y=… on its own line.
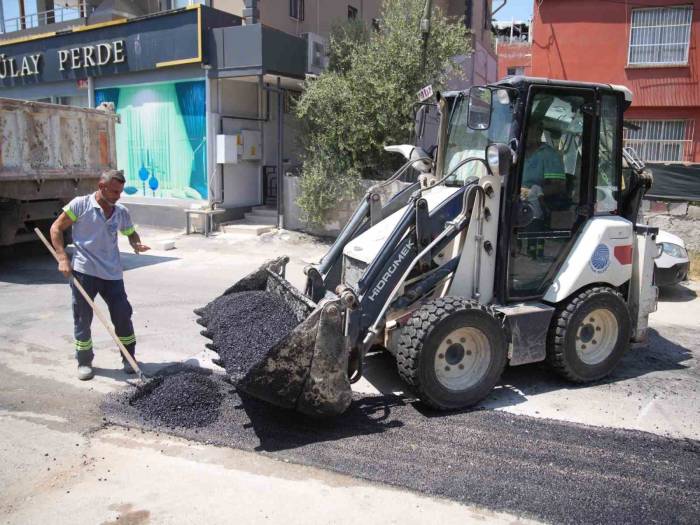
x=68, y=59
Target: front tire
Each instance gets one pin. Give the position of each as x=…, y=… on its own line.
x=452, y=351
x=589, y=335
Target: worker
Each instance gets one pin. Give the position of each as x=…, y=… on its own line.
x=543, y=178
x=96, y=218
x=543, y=172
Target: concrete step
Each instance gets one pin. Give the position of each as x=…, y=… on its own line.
x=266, y=211
x=246, y=227
x=262, y=219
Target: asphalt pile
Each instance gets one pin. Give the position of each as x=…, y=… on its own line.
x=244, y=326
x=186, y=399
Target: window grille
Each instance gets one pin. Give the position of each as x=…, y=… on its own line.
x=660, y=35
x=661, y=140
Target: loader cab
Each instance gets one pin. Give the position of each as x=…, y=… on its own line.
x=566, y=140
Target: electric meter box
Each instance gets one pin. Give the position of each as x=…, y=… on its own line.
x=240, y=146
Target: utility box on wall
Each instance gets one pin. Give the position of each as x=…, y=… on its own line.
x=240, y=146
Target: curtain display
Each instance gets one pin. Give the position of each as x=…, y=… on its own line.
x=161, y=138
x=191, y=98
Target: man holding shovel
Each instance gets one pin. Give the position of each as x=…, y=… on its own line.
x=96, y=219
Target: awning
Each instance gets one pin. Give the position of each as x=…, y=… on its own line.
x=675, y=182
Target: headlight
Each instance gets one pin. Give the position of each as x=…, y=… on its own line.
x=492, y=158
x=674, y=250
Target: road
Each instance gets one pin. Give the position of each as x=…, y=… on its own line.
x=58, y=453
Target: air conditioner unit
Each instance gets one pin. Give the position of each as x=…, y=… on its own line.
x=316, y=57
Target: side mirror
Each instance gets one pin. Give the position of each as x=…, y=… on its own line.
x=479, y=108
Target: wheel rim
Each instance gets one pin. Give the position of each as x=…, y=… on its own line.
x=462, y=358
x=596, y=336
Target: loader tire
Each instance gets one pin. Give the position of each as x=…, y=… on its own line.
x=452, y=352
x=589, y=334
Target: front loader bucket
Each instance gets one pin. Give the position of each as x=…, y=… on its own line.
x=307, y=369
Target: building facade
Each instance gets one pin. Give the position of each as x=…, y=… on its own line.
x=180, y=75
x=513, y=48
x=203, y=88
x=651, y=48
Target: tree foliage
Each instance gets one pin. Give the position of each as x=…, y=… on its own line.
x=365, y=99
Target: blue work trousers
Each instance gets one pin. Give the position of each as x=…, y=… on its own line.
x=120, y=311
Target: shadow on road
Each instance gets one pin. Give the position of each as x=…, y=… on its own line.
x=27, y=268
x=279, y=429
x=149, y=369
x=518, y=382
x=678, y=293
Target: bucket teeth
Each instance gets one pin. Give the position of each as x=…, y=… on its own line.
x=202, y=322
x=200, y=311
x=212, y=347
x=208, y=334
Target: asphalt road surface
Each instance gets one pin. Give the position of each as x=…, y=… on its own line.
x=387, y=461
x=550, y=470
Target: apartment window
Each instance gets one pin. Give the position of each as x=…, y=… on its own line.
x=296, y=9
x=517, y=70
x=352, y=13
x=661, y=140
x=660, y=35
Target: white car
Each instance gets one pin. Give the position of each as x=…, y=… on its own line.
x=671, y=267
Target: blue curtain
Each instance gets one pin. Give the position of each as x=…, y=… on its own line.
x=191, y=99
x=107, y=95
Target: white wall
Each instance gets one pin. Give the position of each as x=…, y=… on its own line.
x=242, y=181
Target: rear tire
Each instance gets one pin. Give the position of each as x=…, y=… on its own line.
x=452, y=351
x=589, y=335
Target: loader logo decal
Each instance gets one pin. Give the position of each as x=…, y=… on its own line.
x=390, y=271
x=600, y=260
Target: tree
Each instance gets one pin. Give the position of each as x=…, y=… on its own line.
x=364, y=100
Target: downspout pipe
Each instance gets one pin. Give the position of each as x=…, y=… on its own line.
x=251, y=13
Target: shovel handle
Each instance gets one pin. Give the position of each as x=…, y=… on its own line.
x=94, y=307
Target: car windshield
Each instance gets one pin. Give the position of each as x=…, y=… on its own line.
x=464, y=142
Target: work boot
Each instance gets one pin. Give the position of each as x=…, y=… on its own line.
x=85, y=373
x=128, y=369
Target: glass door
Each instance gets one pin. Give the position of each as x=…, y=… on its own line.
x=554, y=175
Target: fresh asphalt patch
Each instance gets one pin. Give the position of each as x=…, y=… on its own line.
x=549, y=470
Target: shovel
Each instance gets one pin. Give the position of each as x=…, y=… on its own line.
x=97, y=311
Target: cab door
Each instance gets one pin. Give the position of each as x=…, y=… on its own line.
x=553, y=188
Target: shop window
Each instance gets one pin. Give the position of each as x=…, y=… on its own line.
x=296, y=9
x=660, y=35
x=161, y=141
x=660, y=140
x=352, y=13
x=518, y=70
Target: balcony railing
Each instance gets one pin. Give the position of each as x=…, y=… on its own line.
x=42, y=18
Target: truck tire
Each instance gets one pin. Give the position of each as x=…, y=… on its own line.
x=452, y=352
x=589, y=334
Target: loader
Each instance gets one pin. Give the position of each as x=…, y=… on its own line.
x=516, y=241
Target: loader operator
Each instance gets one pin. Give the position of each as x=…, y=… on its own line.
x=544, y=181
x=543, y=173
x=95, y=219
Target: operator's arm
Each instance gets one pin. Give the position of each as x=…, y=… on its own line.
x=61, y=224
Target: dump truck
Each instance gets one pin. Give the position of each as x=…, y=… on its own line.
x=49, y=153
x=517, y=243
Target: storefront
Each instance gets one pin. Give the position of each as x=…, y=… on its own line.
x=177, y=79
x=151, y=70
